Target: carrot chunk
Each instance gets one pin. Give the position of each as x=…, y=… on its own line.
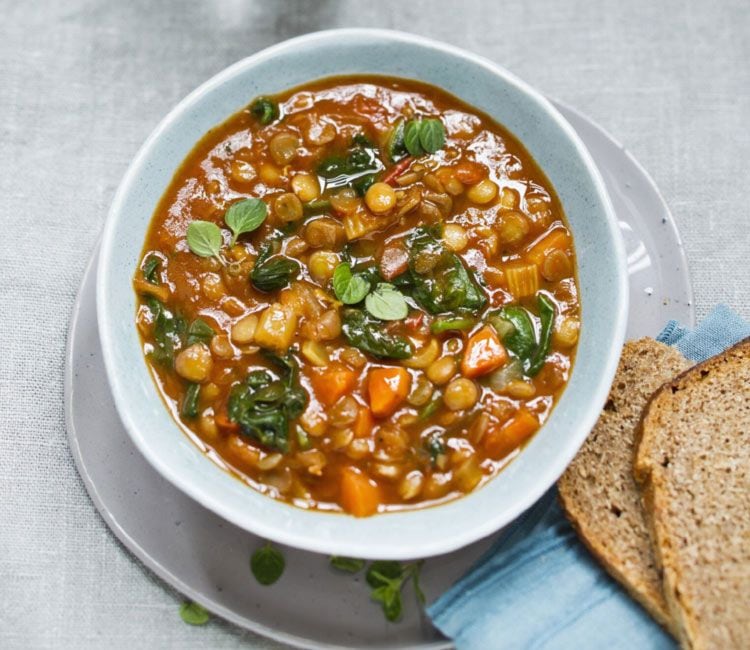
x=559, y=238
x=224, y=423
x=484, y=353
x=500, y=441
x=387, y=387
x=360, y=496
x=332, y=383
x=363, y=423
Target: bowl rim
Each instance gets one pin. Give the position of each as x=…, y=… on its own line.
x=432, y=545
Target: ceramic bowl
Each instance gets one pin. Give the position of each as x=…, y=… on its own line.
x=602, y=273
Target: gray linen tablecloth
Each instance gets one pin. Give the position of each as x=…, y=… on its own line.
x=83, y=82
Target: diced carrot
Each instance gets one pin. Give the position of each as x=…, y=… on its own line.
x=557, y=238
x=483, y=354
x=363, y=423
x=224, y=423
x=500, y=441
x=332, y=383
x=360, y=496
x=387, y=387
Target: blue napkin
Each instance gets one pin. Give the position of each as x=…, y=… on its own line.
x=538, y=587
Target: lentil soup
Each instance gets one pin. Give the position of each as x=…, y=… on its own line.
x=359, y=295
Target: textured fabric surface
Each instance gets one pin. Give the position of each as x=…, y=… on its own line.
x=83, y=82
x=541, y=586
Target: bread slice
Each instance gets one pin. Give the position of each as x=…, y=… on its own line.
x=598, y=492
x=693, y=464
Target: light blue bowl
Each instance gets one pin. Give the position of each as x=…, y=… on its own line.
x=602, y=272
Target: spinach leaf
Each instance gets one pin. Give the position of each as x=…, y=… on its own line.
x=547, y=318
x=518, y=331
x=264, y=110
x=368, y=335
x=189, y=408
x=347, y=564
x=245, y=216
x=439, y=281
x=271, y=273
x=356, y=168
x=395, y=148
x=267, y=565
x=263, y=406
x=204, y=238
x=199, y=332
x=169, y=330
x=151, y=269
x=387, y=303
x=193, y=613
x=348, y=287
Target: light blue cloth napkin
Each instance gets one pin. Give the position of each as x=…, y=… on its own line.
x=538, y=587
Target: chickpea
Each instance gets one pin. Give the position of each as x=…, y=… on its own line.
x=513, y=227
x=411, y=485
x=210, y=391
x=319, y=133
x=424, y=357
x=212, y=286
x=440, y=372
x=556, y=266
x=295, y=246
x=269, y=174
x=519, y=389
x=322, y=264
x=283, y=148
x=380, y=198
x=324, y=233
x=483, y=192
x=353, y=358
x=194, y=363
x=421, y=391
x=460, y=394
x=209, y=430
x=287, y=207
x=243, y=330
x=306, y=187
x=345, y=201
x=455, y=237
x=242, y=172
x=509, y=198
x=565, y=334
x=221, y=347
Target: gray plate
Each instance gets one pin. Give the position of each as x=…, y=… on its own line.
x=312, y=606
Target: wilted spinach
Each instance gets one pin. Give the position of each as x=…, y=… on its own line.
x=271, y=273
x=168, y=333
x=263, y=405
x=368, y=334
x=356, y=168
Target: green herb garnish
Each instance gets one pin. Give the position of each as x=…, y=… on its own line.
x=367, y=334
x=267, y=564
x=347, y=564
x=349, y=288
x=387, y=577
x=204, y=238
x=387, y=303
x=424, y=136
x=245, y=216
x=193, y=613
x=264, y=110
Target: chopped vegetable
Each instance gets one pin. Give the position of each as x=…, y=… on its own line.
x=271, y=273
x=264, y=110
x=395, y=148
x=387, y=388
x=360, y=496
x=500, y=378
x=168, y=332
x=276, y=327
x=547, y=318
x=189, y=408
x=448, y=324
x=554, y=239
x=356, y=168
x=332, y=383
x=151, y=268
x=367, y=334
x=498, y=442
x=523, y=279
x=267, y=564
x=483, y=353
x=199, y=332
x=516, y=329
x=363, y=423
x=397, y=170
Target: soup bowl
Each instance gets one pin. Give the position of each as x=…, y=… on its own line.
x=552, y=142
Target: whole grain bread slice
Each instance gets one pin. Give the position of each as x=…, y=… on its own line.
x=693, y=465
x=598, y=492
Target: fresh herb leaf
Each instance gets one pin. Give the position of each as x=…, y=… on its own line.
x=273, y=273
x=193, y=613
x=390, y=600
x=264, y=110
x=547, y=319
x=383, y=572
x=415, y=575
x=386, y=578
x=264, y=406
x=245, y=216
x=431, y=135
x=368, y=335
x=151, y=268
x=199, y=332
x=204, y=238
x=348, y=287
x=347, y=564
x=189, y=408
x=387, y=303
x=411, y=138
x=267, y=564
x=450, y=324
x=395, y=149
